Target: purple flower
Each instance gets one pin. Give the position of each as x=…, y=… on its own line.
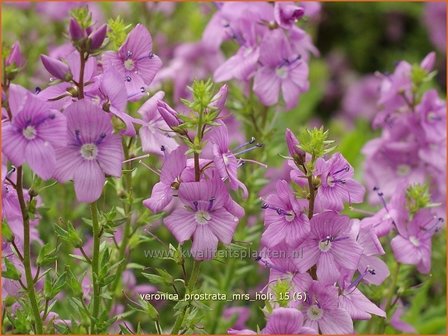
x=97, y=37
x=281, y=70
x=224, y=160
x=371, y=268
x=33, y=132
x=337, y=183
x=286, y=321
x=432, y=111
x=357, y=304
x=190, y=61
x=287, y=13
x=322, y=313
x=163, y=191
x=413, y=244
x=110, y=93
x=397, y=323
x=205, y=216
x=330, y=246
x=154, y=131
x=135, y=62
x=92, y=151
x=10, y=202
x=284, y=218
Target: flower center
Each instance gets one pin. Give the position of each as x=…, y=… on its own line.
x=89, y=151
x=325, y=244
x=414, y=241
x=281, y=72
x=202, y=217
x=403, y=170
x=290, y=216
x=314, y=313
x=29, y=132
x=129, y=64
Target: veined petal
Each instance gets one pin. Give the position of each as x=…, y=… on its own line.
x=181, y=223
x=13, y=144
x=110, y=155
x=205, y=243
x=41, y=158
x=89, y=181
x=223, y=225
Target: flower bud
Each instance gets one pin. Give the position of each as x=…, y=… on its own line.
x=219, y=99
x=294, y=149
x=428, y=62
x=97, y=37
x=56, y=68
x=168, y=114
x=76, y=32
x=15, y=56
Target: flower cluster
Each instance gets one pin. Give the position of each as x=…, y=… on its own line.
x=258, y=29
x=311, y=249
x=412, y=145
x=196, y=177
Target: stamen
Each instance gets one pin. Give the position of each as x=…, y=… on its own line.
x=37, y=90
x=258, y=145
x=128, y=54
x=148, y=167
x=128, y=78
x=241, y=162
x=279, y=210
x=355, y=283
x=250, y=142
x=137, y=158
x=383, y=201
x=345, y=169
x=195, y=203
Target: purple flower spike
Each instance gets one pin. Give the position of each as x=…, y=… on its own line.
x=219, y=100
x=15, y=56
x=56, y=68
x=92, y=151
x=135, y=62
x=33, y=133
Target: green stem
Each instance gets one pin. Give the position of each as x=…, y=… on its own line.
x=95, y=266
x=127, y=226
x=81, y=75
x=389, y=297
x=27, y=253
x=220, y=304
x=190, y=286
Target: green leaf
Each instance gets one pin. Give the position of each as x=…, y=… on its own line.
x=11, y=271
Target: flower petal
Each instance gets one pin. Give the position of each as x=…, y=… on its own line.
x=89, y=181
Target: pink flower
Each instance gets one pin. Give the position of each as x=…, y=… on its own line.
x=330, y=246
x=337, y=183
x=205, y=216
x=33, y=133
x=154, y=133
x=284, y=218
x=281, y=70
x=92, y=151
x=322, y=313
x=413, y=244
x=163, y=191
x=286, y=321
x=135, y=62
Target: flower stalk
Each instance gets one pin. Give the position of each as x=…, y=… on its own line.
x=95, y=267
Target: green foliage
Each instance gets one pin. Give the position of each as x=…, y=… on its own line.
x=118, y=31
x=83, y=16
x=417, y=197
